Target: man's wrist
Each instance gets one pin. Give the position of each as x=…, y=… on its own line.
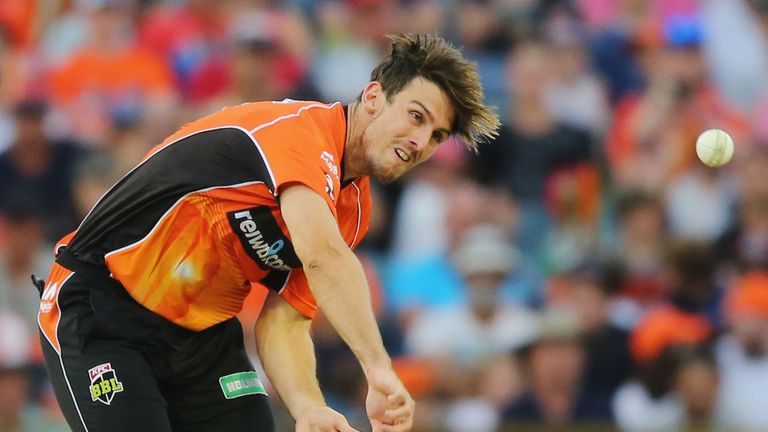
x=380, y=364
x=299, y=408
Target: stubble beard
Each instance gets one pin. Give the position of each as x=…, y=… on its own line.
x=373, y=166
x=381, y=177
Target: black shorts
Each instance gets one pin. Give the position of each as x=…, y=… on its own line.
x=116, y=366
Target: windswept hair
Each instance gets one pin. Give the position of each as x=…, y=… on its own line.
x=432, y=58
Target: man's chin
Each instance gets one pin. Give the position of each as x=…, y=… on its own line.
x=386, y=177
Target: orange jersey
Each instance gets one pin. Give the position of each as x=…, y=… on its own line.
x=197, y=222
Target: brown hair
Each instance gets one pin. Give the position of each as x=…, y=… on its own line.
x=432, y=58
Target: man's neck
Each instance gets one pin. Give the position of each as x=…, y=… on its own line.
x=352, y=144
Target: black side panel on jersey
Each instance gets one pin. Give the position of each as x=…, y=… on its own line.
x=262, y=239
x=275, y=280
x=217, y=157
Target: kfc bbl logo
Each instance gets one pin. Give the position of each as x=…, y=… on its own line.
x=104, y=383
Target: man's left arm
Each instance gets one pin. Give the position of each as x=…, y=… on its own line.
x=287, y=354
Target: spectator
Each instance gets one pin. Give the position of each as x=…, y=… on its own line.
x=433, y=282
x=481, y=30
x=17, y=414
x=607, y=363
x=17, y=67
x=261, y=64
x=485, y=326
x=351, y=37
x=640, y=246
x=574, y=203
x=94, y=176
x=406, y=277
x=746, y=242
x=700, y=203
x=128, y=144
x=697, y=383
x=420, y=219
x=25, y=253
x=554, y=364
x=739, y=74
x=465, y=343
x=109, y=76
x=654, y=128
x=532, y=144
x=39, y=168
x=195, y=47
x=742, y=356
x=251, y=75
x=690, y=275
x=650, y=402
x=751, y=177
x=576, y=97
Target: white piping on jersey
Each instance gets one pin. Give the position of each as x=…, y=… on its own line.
x=296, y=114
x=72, y=393
x=56, y=330
x=359, y=215
x=258, y=147
x=285, y=284
x=266, y=164
x=171, y=208
x=58, y=351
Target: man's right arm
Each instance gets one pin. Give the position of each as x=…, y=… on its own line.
x=338, y=283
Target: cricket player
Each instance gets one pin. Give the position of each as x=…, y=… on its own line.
x=137, y=316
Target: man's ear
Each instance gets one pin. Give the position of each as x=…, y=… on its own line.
x=373, y=97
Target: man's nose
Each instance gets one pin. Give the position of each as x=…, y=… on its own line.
x=420, y=138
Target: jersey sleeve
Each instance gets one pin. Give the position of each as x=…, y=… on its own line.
x=298, y=294
x=301, y=154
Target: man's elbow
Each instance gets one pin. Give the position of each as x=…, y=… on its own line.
x=277, y=316
x=325, y=256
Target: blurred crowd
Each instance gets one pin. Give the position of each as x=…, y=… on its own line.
x=582, y=271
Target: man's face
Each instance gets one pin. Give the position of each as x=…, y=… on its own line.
x=557, y=364
x=12, y=384
x=30, y=131
x=752, y=332
x=406, y=131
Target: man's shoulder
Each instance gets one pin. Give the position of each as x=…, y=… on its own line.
x=265, y=115
x=312, y=116
x=316, y=129
x=277, y=111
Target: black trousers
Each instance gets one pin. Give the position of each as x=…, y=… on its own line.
x=116, y=366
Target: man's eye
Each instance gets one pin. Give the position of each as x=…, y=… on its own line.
x=416, y=116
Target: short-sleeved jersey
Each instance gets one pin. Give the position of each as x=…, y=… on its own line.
x=197, y=222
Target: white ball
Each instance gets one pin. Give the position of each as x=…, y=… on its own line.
x=714, y=147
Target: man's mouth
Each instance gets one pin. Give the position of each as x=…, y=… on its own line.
x=402, y=155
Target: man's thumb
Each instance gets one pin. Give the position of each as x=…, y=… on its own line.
x=376, y=425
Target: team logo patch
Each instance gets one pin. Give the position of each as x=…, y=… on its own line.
x=330, y=163
x=329, y=187
x=104, y=383
x=48, y=297
x=241, y=384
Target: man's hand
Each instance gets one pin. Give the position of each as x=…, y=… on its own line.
x=322, y=419
x=389, y=405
